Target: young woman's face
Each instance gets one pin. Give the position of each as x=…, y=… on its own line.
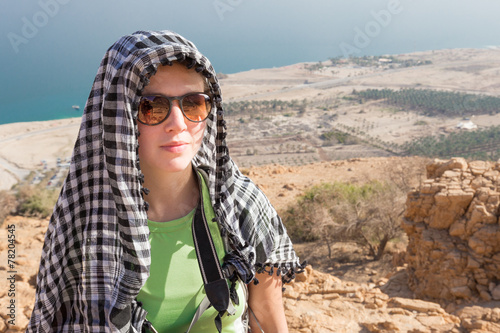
x=171, y=145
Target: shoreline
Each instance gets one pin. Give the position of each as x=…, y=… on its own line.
x=26, y=144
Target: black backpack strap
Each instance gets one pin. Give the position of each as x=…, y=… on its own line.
x=215, y=283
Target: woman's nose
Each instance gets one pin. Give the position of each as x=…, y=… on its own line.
x=176, y=120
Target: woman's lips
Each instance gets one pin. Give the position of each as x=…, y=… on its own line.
x=175, y=147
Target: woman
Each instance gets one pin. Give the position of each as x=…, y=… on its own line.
x=151, y=151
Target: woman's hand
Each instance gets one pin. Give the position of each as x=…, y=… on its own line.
x=266, y=302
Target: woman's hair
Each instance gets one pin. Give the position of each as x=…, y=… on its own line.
x=207, y=89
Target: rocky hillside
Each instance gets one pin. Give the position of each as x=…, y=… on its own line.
x=318, y=301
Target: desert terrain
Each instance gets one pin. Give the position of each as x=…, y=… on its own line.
x=286, y=138
x=348, y=293
x=284, y=154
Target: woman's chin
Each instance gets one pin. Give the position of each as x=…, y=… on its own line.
x=177, y=166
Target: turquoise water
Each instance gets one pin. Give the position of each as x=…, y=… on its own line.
x=43, y=108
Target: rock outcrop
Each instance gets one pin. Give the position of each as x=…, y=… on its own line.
x=452, y=222
x=317, y=302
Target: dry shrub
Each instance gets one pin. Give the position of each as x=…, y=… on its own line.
x=36, y=201
x=8, y=204
x=368, y=214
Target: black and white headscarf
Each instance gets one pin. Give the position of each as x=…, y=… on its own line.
x=96, y=254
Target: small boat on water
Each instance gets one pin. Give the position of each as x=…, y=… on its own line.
x=76, y=107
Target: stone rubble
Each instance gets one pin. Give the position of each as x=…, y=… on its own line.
x=452, y=223
x=317, y=302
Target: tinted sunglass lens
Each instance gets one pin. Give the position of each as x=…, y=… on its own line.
x=196, y=107
x=153, y=110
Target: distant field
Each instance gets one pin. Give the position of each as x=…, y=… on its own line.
x=383, y=107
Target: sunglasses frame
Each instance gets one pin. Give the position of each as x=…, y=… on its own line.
x=176, y=98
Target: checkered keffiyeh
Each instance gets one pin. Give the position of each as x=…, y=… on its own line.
x=96, y=254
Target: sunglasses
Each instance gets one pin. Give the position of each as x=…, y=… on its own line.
x=154, y=109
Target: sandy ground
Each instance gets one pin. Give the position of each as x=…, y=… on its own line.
x=23, y=147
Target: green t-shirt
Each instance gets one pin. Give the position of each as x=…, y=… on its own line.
x=174, y=288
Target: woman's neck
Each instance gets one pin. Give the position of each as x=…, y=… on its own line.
x=172, y=195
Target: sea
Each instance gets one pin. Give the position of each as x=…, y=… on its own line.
x=47, y=107
x=42, y=101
